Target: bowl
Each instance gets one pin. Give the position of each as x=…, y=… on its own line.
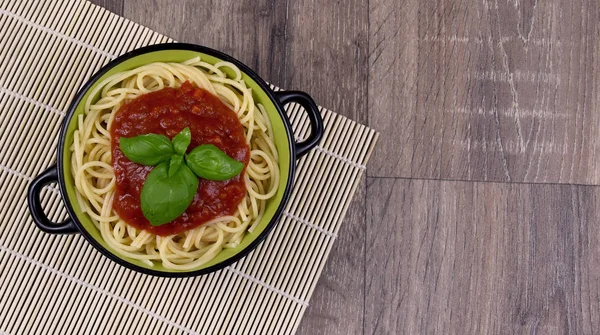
x=289, y=150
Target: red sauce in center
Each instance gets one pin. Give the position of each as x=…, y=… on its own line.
x=167, y=112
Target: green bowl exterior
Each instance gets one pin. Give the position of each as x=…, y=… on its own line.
x=282, y=137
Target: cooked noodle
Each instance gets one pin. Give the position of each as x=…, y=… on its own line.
x=95, y=179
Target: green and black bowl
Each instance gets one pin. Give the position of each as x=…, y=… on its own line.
x=289, y=151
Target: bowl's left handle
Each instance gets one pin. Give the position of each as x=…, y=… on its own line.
x=35, y=205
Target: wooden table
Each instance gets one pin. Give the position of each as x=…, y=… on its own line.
x=480, y=211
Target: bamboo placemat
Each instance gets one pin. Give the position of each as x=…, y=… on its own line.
x=59, y=284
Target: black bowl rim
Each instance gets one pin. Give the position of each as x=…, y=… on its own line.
x=188, y=47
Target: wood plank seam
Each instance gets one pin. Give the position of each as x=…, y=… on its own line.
x=477, y=181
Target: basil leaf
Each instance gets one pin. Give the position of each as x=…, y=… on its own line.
x=175, y=163
x=149, y=149
x=209, y=162
x=164, y=198
x=182, y=140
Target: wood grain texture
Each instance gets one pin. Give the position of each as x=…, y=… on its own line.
x=326, y=54
x=481, y=258
x=485, y=90
x=115, y=6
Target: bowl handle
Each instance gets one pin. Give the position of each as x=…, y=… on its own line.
x=316, y=121
x=35, y=205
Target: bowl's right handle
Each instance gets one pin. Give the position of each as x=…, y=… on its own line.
x=316, y=121
x=35, y=205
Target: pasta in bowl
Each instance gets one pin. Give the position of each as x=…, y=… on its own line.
x=175, y=160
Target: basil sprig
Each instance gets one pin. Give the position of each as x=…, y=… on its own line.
x=171, y=186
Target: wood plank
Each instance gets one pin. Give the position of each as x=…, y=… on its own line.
x=251, y=31
x=337, y=304
x=491, y=90
x=326, y=54
x=393, y=54
x=481, y=258
x=115, y=6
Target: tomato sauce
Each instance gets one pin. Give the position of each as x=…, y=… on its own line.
x=167, y=112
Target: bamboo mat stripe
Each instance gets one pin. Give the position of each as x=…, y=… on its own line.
x=60, y=284
x=86, y=285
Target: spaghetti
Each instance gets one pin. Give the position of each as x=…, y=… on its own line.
x=96, y=183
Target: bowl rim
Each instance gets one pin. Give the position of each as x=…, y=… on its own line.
x=187, y=47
